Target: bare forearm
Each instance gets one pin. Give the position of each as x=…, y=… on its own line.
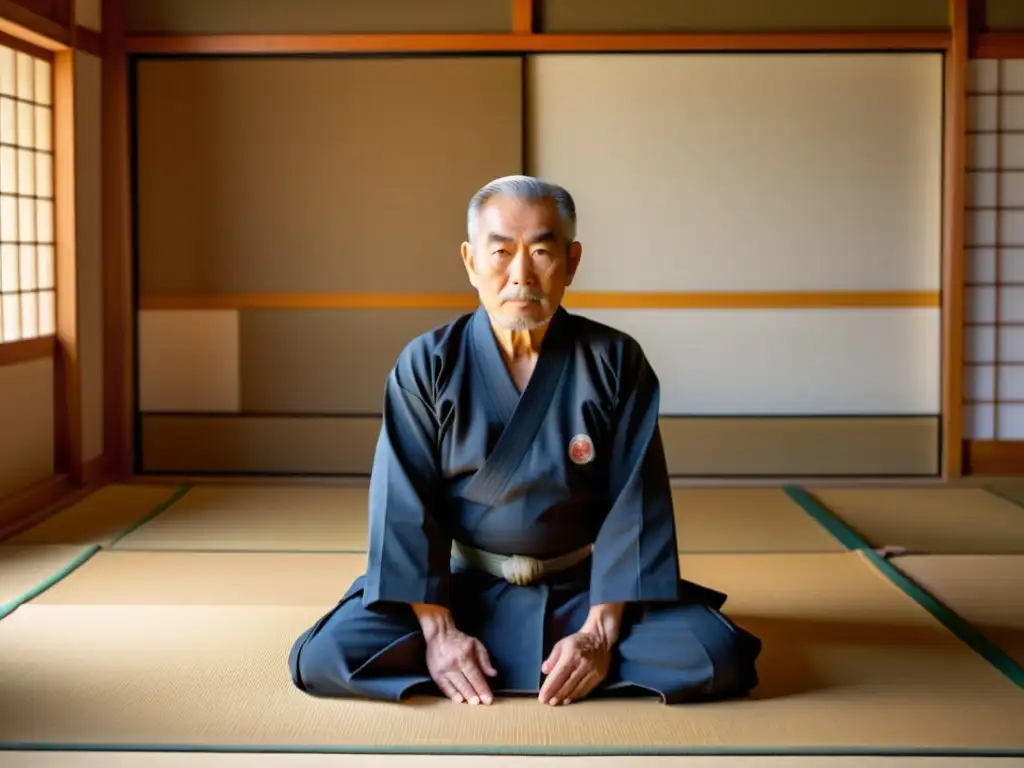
x=433, y=619
x=605, y=620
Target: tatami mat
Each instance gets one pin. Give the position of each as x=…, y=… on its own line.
x=849, y=662
x=746, y=520
x=304, y=518
x=1011, y=488
x=26, y=570
x=116, y=577
x=986, y=590
x=259, y=518
x=100, y=517
x=929, y=520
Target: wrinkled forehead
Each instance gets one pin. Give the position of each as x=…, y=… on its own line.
x=508, y=218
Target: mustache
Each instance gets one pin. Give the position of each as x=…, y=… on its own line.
x=515, y=292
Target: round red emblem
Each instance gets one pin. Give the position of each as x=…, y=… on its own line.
x=581, y=449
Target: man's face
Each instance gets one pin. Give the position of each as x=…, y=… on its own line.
x=520, y=263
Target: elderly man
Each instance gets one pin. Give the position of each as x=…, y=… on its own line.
x=522, y=538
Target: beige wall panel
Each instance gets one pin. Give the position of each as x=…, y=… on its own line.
x=318, y=16
x=270, y=445
x=89, y=248
x=746, y=172
x=89, y=13
x=188, y=361
x=26, y=424
x=694, y=447
x=1004, y=15
x=269, y=175
x=801, y=447
x=710, y=362
x=813, y=362
x=740, y=15
x=325, y=361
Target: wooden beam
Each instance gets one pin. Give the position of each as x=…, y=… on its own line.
x=20, y=22
x=954, y=180
x=88, y=41
x=19, y=44
x=118, y=321
x=67, y=363
x=15, y=352
x=523, y=17
x=573, y=299
x=1004, y=458
x=528, y=43
x=58, y=11
x=998, y=45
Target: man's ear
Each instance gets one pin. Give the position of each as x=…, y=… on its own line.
x=572, y=260
x=467, y=262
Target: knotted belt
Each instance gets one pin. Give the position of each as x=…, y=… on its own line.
x=518, y=569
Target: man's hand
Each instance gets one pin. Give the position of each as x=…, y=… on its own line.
x=456, y=661
x=578, y=663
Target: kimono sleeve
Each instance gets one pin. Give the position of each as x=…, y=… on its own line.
x=409, y=554
x=635, y=554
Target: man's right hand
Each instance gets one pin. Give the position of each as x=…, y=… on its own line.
x=457, y=662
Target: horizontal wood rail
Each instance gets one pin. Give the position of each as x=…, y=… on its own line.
x=19, y=21
x=994, y=458
x=573, y=300
x=89, y=41
x=14, y=352
x=18, y=44
x=44, y=34
x=537, y=43
x=997, y=45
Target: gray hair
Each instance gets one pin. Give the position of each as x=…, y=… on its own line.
x=525, y=188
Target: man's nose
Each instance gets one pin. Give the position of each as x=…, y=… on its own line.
x=521, y=269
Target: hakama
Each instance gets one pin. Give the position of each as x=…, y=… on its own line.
x=576, y=459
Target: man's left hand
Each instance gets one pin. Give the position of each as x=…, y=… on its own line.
x=577, y=664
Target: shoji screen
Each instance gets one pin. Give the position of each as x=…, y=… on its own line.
x=268, y=188
x=791, y=201
x=994, y=274
x=757, y=191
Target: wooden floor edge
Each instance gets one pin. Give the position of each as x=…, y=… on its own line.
x=30, y=506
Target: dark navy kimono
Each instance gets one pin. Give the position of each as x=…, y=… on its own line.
x=575, y=459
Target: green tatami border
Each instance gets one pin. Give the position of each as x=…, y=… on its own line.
x=6, y=609
x=86, y=554
x=823, y=516
x=554, y=750
x=949, y=618
x=162, y=507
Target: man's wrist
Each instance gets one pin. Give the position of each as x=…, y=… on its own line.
x=434, y=619
x=605, y=620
